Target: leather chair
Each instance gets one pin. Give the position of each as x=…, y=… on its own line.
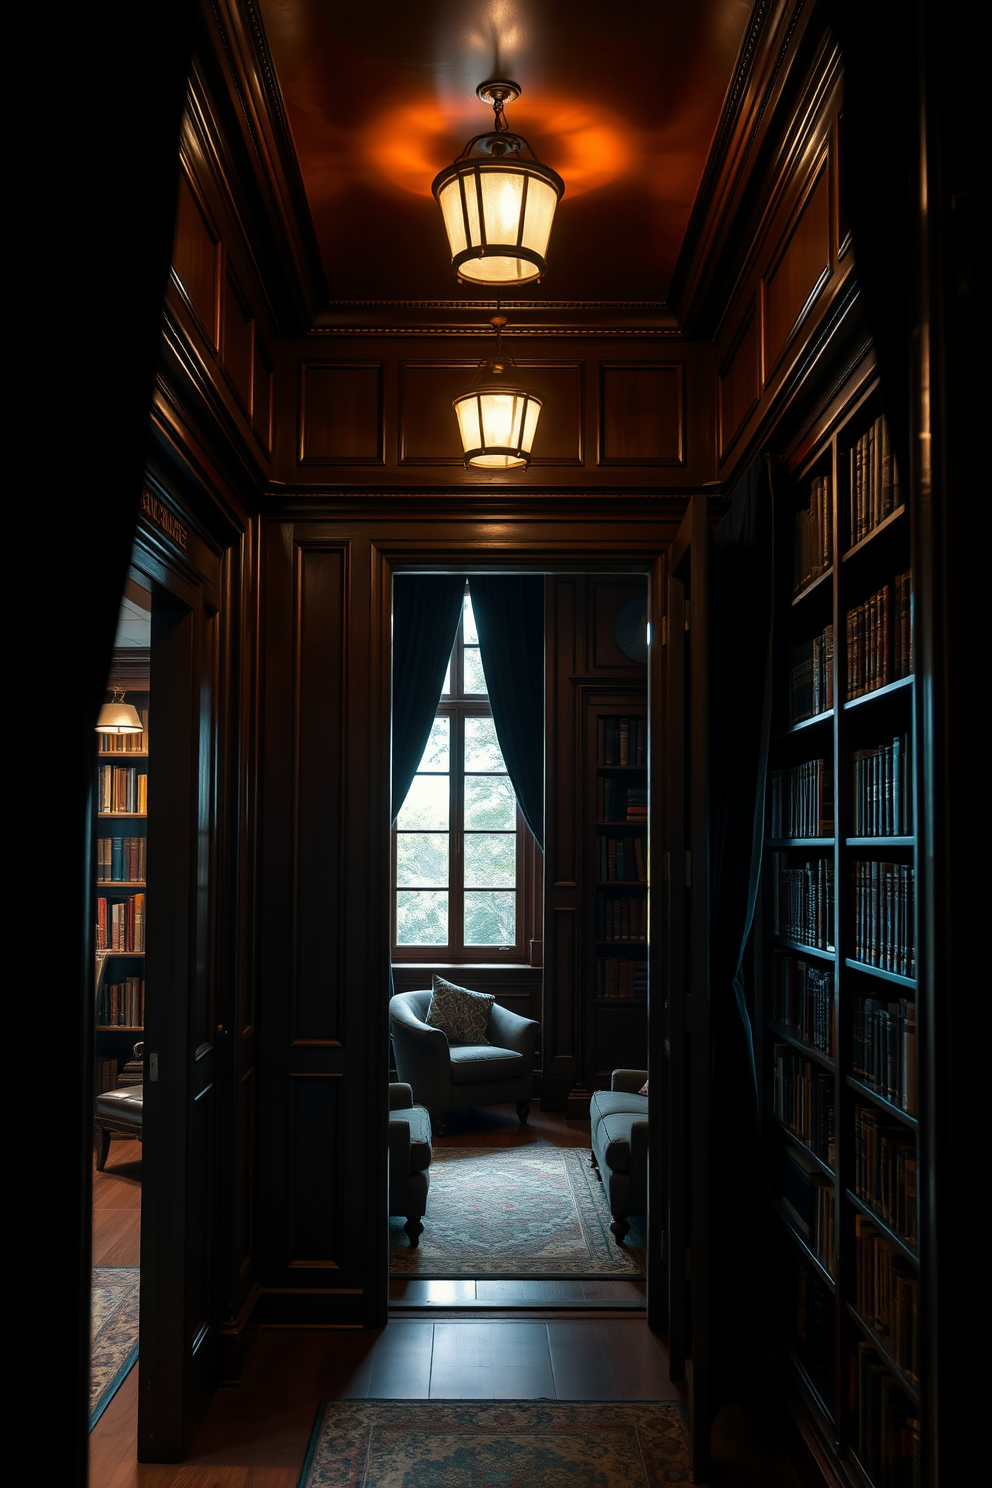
x=457, y=1077
x=410, y=1154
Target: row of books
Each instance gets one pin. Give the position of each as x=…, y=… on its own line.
x=812, y=541
x=623, y=859
x=881, y=799
x=803, y=1000
x=622, y=918
x=122, y=788
x=884, y=1052
x=122, y=1004
x=803, y=900
x=803, y=1099
x=105, y=1074
x=808, y=1198
x=884, y=918
x=120, y=923
x=811, y=676
x=621, y=978
x=801, y=800
x=126, y=743
x=806, y=1310
x=618, y=801
x=874, y=481
x=122, y=859
x=887, y=1425
x=887, y=1295
x=621, y=740
x=885, y=1170
x=879, y=638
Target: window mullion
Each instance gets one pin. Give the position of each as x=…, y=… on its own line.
x=457, y=904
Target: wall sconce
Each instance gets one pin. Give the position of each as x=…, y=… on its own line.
x=497, y=418
x=498, y=202
x=119, y=717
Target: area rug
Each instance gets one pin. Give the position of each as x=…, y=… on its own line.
x=113, y=1331
x=506, y=1444
x=521, y=1212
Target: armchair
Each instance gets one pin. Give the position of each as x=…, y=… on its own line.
x=455, y=1077
x=410, y=1154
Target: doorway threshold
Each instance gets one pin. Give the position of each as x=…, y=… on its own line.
x=510, y=1294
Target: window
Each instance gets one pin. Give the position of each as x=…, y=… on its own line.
x=465, y=881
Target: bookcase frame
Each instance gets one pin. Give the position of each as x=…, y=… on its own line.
x=819, y=1331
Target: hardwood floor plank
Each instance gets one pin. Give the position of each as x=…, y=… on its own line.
x=402, y=1361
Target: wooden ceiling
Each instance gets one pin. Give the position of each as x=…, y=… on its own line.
x=623, y=101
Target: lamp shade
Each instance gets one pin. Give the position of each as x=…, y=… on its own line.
x=119, y=717
x=498, y=204
x=497, y=418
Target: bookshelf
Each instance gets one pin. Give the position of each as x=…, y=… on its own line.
x=837, y=955
x=617, y=882
x=120, y=834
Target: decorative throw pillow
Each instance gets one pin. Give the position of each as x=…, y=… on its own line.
x=461, y=1014
x=644, y=1089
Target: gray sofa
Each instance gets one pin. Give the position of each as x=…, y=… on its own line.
x=410, y=1154
x=618, y=1118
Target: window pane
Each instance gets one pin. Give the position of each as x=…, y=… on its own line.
x=437, y=755
x=489, y=803
x=422, y=860
x=482, y=751
x=490, y=919
x=490, y=860
x=421, y=918
x=475, y=677
x=426, y=805
x=469, y=633
x=446, y=685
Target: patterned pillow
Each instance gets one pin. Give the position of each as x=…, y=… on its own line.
x=644, y=1089
x=461, y=1014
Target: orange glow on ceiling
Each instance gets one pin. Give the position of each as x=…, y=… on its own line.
x=588, y=146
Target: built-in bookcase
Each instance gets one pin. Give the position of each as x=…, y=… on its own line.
x=121, y=841
x=837, y=960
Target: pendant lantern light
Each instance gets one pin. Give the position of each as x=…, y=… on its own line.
x=498, y=202
x=119, y=717
x=497, y=417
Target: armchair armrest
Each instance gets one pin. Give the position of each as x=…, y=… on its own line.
x=628, y=1080
x=400, y=1096
x=510, y=1031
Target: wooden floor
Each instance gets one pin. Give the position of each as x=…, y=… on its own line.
x=444, y=1340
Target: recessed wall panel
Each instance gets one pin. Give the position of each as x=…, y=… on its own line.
x=195, y=261
x=799, y=273
x=341, y=413
x=315, y=1135
x=642, y=413
x=429, y=429
x=237, y=339
x=739, y=382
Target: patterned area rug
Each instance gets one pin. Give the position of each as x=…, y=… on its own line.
x=114, y=1333
x=536, y=1212
x=509, y=1444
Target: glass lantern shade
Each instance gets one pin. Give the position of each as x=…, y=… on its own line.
x=498, y=205
x=497, y=419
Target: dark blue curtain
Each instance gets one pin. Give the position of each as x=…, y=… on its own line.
x=509, y=616
x=426, y=611
x=741, y=612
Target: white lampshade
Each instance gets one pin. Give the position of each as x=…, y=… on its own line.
x=498, y=204
x=119, y=717
x=497, y=418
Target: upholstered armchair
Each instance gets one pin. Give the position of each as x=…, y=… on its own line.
x=447, y=1075
x=410, y=1154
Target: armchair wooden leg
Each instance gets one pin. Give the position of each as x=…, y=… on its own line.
x=414, y=1229
x=102, y=1148
x=439, y=1122
x=619, y=1228
x=523, y=1111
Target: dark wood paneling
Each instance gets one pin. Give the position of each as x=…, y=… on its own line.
x=262, y=396
x=319, y=865
x=642, y=413
x=606, y=597
x=428, y=433
x=315, y=1203
x=739, y=382
x=340, y=420
x=196, y=261
x=237, y=338
x=799, y=271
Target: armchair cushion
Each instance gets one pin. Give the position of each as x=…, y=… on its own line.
x=470, y=1064
x=459, y=1013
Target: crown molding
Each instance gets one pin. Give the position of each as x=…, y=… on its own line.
x=525, y=317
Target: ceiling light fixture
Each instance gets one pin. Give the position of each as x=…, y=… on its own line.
x=498, y=202
x=119, y=717
x=497, y=418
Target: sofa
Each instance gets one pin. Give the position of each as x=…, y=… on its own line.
x=618, y=1119
x=410, y=1154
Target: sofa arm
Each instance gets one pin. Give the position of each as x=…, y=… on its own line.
x=510, y=1031
x=639, y=1151
x=400, y=1096
x=628, y=1080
